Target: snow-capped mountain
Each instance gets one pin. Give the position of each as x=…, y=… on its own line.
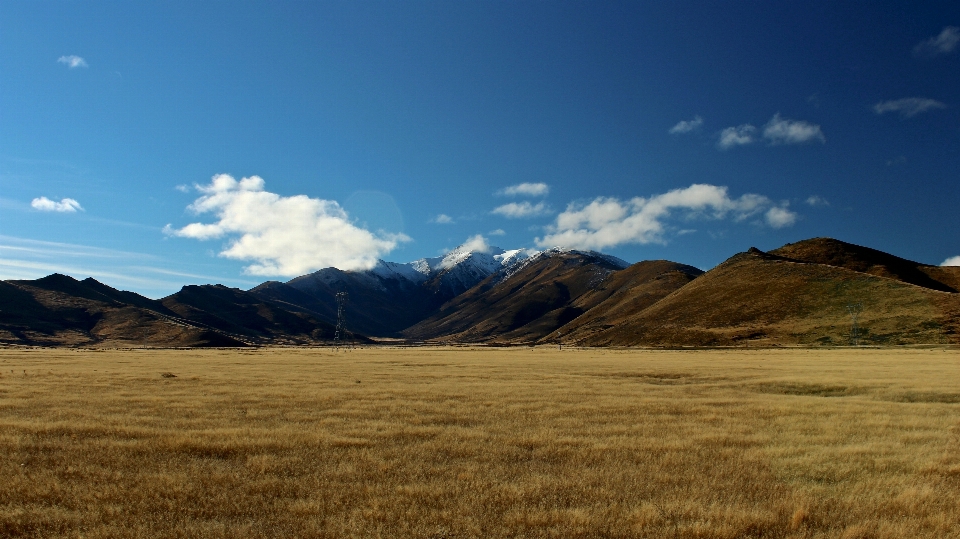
x=454, y=272
x=392, y=296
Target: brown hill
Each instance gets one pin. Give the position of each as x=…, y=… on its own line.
x=244, y=316
x=59, y=310
x=544, y=295
x=760, y=298
x=866, y=260
x=629, y=292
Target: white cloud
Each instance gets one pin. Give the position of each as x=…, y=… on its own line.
x=183, y=188
x=526, y=189
x=65, y=205
x=943, y=43
x=897, y=161
x=908, y=107
x=521, y=210
x=686, y=126
x=442, y=219
x=780, y=216
x=608, y=222
x=783, y=131
x=736, y=136
x=816, y=200
x=72, y=61
x=476, y=243
x=497, y=232
x=952, y=261
x=286, y=236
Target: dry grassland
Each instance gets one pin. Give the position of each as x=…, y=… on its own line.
x=451, y=442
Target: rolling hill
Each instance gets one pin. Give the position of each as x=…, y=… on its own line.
x=59, y=310
x=803, y=293
x=759, y=298
x=528, y=303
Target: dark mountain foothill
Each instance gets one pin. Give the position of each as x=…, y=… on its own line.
x=799, y=294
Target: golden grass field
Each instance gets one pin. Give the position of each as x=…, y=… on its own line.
x=480, y=442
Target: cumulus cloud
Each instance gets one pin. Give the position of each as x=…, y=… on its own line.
x=816, y=200
x=608, y=222
x=476, y=243
x=943, y=43
x=442, y=219
x=65, y=205
x=736, y=136
x=686, y=126
x=526, y=189
x=784, y=131
x=952, y=261
x=286, y=236
x=780, y=216
x=521, y=210
x=72, y=61
x=908, y=107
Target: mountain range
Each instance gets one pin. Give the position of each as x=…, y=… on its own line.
x=807, y=293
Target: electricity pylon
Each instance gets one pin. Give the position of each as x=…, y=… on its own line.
x=854, y=309
x=341, y=301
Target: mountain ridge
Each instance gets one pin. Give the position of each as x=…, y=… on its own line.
x=797, y=294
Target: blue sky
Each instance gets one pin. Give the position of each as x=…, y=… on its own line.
x=156, y=144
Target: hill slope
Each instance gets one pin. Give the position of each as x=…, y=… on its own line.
x=841, y=254
x=58, y=310
x=244, y=316
x=390, y=297
x=761, y=298
x=630, y=292
x=526, y=304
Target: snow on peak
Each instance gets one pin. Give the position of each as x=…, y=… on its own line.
x=478, y=251
x=394, y=270
x=515, y=256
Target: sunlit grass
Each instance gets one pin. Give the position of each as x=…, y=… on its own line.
x=458, y=442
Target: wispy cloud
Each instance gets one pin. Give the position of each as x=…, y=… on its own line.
x=52, y=249
x=609, y=222
x=908, y=107
x=497, y=232
x=22, y=258
x=899, y=160
x=784, y=131
x=943, y=43
x=66, y=205
x=442, y=219
x=776, y=132
x=72, y=61
x=732, y=137
x=183, y=188
x=952, y=261
x=816, y=200
x=286, y=236
x=686, y=126
x=526, y=189
x=521, y=210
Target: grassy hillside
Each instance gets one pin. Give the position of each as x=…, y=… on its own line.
x=529, y=305
x=756, y=298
